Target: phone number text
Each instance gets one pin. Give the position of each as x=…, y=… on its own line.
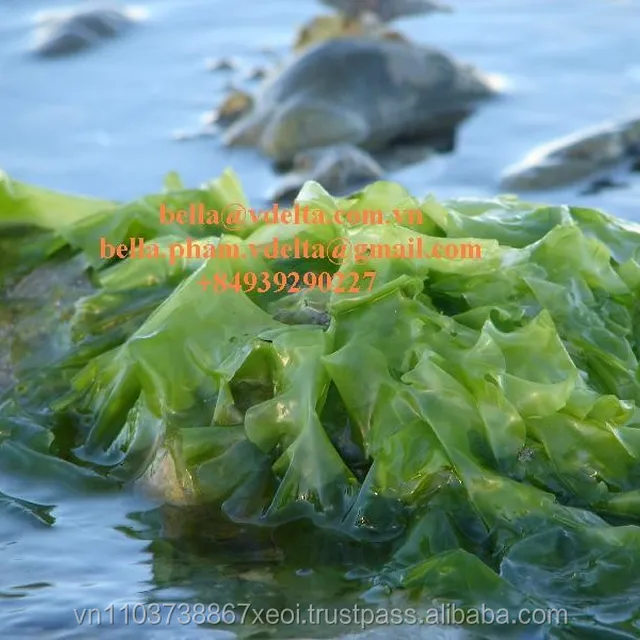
x=292, y=282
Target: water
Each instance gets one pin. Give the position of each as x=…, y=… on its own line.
x=102, y=124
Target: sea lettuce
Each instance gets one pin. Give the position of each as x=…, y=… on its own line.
x=478, y=417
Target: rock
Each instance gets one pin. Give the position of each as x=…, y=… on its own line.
x=602, y=184
x=329, y=27
x=257, y=73
x=234, y=106
x=222, y=64
x=575, y=157
x=386, y=10
x=403, y=91
x=66, y=32
x=336, y=168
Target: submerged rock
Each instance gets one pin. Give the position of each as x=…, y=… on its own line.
x=575, y=157
x=66, y=32
x=403, y=91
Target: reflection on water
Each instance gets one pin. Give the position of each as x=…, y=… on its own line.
x=102, y=124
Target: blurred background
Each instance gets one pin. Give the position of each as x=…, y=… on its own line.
x=104, y=122
x=107, y=122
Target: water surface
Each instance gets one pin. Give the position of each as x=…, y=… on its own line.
x=103, y=124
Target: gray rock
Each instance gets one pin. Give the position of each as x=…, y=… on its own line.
x=386, y=10
x=580, y=155
x=257, y=73
x=66, y=32
x=336, y=168
x=222, y=64
x=365, y=92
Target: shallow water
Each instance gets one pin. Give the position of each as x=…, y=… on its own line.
x=102, y=124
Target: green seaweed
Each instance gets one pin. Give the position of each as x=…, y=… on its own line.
x=475, y=418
